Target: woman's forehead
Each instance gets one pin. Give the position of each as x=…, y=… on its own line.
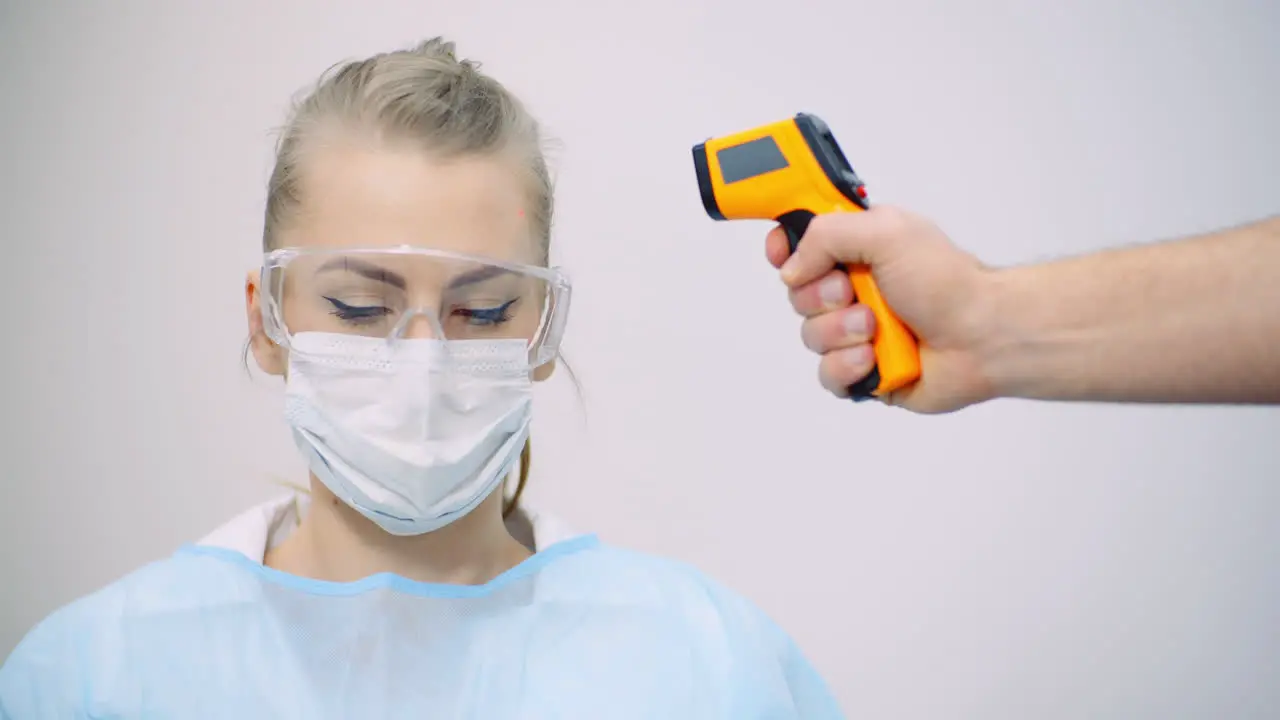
x=372, y=198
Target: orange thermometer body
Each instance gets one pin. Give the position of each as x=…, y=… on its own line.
x=789, y=171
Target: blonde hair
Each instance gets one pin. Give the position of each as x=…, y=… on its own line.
x=423, y=96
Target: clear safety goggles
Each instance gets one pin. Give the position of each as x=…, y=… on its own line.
x=410, y=292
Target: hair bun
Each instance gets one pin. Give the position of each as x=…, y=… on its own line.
x=438, y=47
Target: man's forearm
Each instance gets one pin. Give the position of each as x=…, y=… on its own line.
x=1194, y=320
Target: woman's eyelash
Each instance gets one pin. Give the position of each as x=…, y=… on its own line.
x=476, y=316
x=489, y=316
x=356, y=313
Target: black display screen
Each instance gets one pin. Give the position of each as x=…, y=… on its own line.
x=750, y=159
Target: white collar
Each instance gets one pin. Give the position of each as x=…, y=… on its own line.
x=262, y=527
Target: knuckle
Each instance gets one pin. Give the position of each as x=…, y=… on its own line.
x=894, y=221
x=816, y=226
x=820, y=333
x=824, y=377
x=834, y=334
x=829, y=335
x=808, y=301
x=829, y=373
x=807, y=335
x=829, y=220
x=795, y=297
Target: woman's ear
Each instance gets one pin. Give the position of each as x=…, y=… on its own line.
x=269, y=356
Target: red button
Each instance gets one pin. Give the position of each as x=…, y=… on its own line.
x=862, y=191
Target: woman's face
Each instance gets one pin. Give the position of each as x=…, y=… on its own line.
x=355, y=202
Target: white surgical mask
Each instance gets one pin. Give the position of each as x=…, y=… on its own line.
x=412, y=434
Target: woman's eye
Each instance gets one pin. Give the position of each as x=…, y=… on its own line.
x=357, y=314
x=489, y=316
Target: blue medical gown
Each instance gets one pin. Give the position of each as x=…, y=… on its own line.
x=579, y=630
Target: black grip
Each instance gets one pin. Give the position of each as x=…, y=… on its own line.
x=865, y=388
x=795, y=223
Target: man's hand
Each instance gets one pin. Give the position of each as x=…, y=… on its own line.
x=940, y=292
x=1195, y=320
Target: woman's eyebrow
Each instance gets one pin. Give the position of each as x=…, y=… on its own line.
x=381, y=274
x=479, y=275
x=365, y=269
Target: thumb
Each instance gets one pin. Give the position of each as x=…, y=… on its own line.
x=850, y=238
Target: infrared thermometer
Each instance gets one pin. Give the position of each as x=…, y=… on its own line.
x=789, y=171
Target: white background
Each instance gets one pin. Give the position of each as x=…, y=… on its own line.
x=1011, y=561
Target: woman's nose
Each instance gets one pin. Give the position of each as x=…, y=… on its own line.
x=419, y=325
x=419, y=328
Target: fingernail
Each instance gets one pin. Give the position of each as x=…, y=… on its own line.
x=832, y=291
x=855, y=323
x=858, y=357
